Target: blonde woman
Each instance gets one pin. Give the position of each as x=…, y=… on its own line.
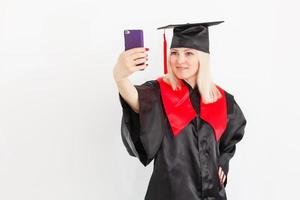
x=183, y=121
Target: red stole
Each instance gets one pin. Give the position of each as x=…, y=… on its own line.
x=180, y=112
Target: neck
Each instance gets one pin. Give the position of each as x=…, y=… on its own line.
x=191, y=81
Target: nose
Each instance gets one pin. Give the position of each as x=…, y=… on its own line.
x=181, y=58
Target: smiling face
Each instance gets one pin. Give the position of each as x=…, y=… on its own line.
x=184, y=63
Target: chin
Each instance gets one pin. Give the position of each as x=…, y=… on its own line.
x=182, y=76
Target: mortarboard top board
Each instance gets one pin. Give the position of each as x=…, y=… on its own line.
x=188, y=35
x=206, y=24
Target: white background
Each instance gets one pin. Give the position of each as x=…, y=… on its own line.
x=59, y=108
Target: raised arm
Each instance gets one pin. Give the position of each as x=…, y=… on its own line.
x=129, y=62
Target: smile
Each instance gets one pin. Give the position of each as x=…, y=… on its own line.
x=181, y=68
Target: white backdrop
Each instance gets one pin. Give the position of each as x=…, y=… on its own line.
x=59, y=108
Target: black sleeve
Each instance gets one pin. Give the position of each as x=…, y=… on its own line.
x=233, y=134
x=142, y=132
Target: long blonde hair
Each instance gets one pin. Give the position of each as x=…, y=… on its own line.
x=208, y=90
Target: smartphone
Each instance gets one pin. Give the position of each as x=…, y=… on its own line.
x=133, y=38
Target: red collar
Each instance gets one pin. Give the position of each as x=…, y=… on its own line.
x=180, y=112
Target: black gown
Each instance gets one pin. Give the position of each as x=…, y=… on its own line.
x=186, y=166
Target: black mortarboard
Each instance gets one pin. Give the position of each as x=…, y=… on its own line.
x=189, y=36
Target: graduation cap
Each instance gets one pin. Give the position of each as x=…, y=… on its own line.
x=193, y=36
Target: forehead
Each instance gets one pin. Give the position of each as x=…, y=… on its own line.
x=182, y=49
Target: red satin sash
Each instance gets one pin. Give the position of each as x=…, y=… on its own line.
x=180, y=112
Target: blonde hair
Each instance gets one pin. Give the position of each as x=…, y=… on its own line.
x=208, y=90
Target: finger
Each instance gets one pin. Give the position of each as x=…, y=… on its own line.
x=141, y=67
x=130, y=65
x=140, y=61
x=222, y=173
x=220, y=170
x=224, y=178
x=220, y=177
x=130, y=62
x=138, y=55
x=136, y=50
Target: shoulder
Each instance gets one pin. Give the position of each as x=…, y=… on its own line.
x=151, y=84
x=233, y=109
x=148, y=91
x=229, y=100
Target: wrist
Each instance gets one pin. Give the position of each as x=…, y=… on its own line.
x=116, y=75
x=119, y=79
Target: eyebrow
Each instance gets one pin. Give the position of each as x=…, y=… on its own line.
x=188, y=49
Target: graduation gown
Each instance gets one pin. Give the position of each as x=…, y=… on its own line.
x=186, y=164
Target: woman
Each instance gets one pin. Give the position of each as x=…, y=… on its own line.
x=183, y=121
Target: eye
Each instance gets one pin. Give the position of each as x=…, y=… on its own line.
x=174, y=53
x=189, y=53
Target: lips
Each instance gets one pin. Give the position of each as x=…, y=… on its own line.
x=181, y=68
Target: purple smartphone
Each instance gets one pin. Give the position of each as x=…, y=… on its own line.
x=133, y=39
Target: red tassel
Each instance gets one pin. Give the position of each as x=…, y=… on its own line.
x=165, y=55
